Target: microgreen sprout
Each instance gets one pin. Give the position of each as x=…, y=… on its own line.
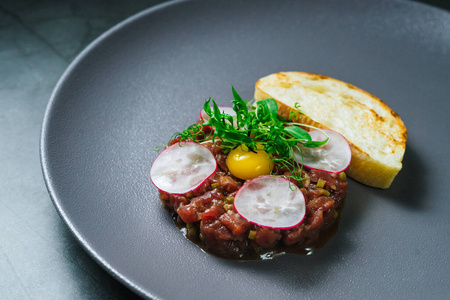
x=258, y=127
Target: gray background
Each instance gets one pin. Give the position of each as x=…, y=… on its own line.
x=39, y=257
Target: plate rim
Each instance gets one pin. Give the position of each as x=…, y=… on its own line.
x=44, y=142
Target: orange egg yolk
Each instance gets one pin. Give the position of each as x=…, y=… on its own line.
x=246, y=164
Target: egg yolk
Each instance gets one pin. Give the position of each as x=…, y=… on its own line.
x=246, y=164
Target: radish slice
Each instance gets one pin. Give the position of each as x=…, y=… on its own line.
x=271, y=201
x=224, y=109
x=181, y=169
x=332, y=157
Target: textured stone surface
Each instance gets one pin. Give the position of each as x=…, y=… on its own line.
x=39, y=257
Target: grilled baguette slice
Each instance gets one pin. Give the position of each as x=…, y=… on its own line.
x=376, y=133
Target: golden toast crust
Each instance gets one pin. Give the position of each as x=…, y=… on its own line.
x=376, y=133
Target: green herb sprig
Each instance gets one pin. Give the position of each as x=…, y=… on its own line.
x=254, y=126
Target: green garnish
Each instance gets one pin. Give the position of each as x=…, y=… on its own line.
x=254, y=126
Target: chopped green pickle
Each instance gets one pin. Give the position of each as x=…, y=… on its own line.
x=252, y=234
x=320, y=183
x=325, y=193
x=227, y=206
x=229, y=199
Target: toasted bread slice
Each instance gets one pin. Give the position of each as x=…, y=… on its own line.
x=376, y=133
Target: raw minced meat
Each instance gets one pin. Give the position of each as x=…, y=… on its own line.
x=209, y=218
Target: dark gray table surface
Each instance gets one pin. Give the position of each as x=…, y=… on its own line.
x=39, y=257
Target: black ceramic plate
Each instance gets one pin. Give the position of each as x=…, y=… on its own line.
x=148, y=77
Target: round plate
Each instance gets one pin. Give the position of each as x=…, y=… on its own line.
x=148, y=77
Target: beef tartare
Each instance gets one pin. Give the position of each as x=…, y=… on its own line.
x=217, y=195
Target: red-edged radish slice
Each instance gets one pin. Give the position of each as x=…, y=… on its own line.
x=270, y=201
x=181, y=169
x=332, y=157
x=223, y=109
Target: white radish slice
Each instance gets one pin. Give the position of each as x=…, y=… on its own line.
x=332, y=157
x=223, y=109
x=271, y=201
x=181, y=169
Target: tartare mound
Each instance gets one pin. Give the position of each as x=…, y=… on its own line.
x=208, y=217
